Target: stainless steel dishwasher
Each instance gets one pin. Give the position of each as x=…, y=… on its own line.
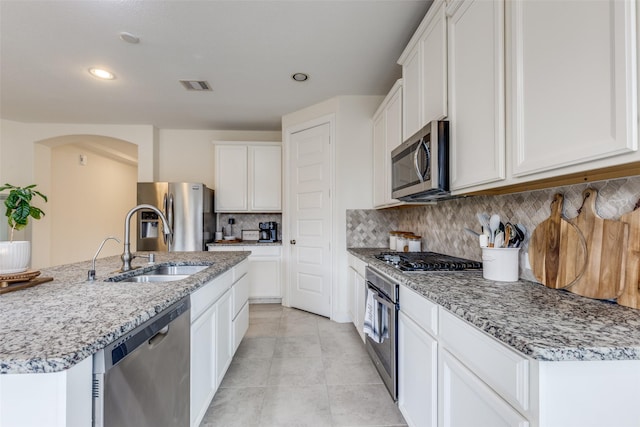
x=142, y=379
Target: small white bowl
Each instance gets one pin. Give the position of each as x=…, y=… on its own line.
x=229, y=237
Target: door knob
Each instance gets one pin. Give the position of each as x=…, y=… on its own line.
x=293, y=242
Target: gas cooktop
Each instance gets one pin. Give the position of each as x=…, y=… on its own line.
x=427, y=261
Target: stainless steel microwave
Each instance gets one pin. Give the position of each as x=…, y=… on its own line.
x=420, y=165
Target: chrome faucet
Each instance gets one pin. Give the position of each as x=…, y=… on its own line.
x=126, y=255
x=91, y=276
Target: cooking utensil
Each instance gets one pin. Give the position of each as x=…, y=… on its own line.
x=631, y=293
x=494, y=225
x=606, y=241
x=557, y=249
x=483, y=219
x=470, y=231
x=507, y=235
x=499, y=240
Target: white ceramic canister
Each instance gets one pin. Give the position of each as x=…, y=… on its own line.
x=414, y=243
x=401, y=243
x=393, y=237
x=500, y=264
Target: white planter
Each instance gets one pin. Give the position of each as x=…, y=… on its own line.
x=14, y=256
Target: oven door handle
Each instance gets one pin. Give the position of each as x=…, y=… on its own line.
x=382, y=301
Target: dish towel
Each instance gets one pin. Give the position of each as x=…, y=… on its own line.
x=376, y=319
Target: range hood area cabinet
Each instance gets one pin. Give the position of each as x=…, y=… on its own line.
x=424, y=72
x=529, y=100
x=248, y=177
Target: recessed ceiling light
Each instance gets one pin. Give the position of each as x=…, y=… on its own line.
x=102, y=74
x=129, y=38
x=300, y=77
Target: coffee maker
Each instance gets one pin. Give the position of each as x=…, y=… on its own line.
x=268, y=231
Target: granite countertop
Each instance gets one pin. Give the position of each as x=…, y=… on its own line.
x=544, y=324
x=247, y=243
x=53, y=326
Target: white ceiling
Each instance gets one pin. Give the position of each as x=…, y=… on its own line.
x=246, y=50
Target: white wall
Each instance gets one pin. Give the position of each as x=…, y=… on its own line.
x=88, y=203
x=26, y=151
x=352, y=176
x=188, y=155
x=25, y=158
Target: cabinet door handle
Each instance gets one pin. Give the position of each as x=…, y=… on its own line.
x=293, y=242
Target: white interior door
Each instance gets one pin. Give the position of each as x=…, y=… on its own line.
x=310, y=220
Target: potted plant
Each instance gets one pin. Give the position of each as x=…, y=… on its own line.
x=15, y=255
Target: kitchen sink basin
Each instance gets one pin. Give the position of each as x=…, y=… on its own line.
x=173, y=270
x=146, y=278
x=161, y=273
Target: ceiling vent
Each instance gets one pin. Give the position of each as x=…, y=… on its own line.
x=198, y=85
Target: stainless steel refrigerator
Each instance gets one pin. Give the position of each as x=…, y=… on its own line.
x=188, y=207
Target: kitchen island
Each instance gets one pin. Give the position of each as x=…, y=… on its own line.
x=52, y=330
x=529, y=355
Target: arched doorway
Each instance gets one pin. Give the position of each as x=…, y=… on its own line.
x=91, y=185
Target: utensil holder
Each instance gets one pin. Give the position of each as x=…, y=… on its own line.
x=500, y=264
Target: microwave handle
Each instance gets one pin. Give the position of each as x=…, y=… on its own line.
x=415, y=161
x=421, y=145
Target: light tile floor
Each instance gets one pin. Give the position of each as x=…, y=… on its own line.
x=294, y=368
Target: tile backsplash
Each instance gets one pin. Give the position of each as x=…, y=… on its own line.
x=248, y=221
x=442, y=226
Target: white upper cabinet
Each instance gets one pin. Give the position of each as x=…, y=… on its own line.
x=476, y=92
x=387, y=135
x=424, y=71
x=231, y=178
x=265, y=178
x=571, y=83
x=248, y=178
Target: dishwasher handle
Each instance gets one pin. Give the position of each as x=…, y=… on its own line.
x=155, y=340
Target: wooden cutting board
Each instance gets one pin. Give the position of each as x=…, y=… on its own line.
x=631, y=293
x=606, y=251
x=557, y=249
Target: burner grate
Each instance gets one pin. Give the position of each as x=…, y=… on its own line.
x=427, y=261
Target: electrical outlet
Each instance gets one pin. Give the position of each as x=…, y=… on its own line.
x=527, y=264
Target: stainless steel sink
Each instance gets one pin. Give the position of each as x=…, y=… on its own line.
x=172, y=270
x=145, y=278
x=161, y=273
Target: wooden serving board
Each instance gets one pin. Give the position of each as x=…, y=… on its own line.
x=606, y=248
x=631, y=294
x=557, y=250
x=23, y=285
x=229, y=241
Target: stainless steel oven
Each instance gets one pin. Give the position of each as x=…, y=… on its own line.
x=382, y=345
x=420, y=165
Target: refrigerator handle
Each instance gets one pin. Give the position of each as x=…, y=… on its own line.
x=166, y=212
x=170, y=219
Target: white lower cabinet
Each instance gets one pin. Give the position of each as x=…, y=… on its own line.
x=203, y=363
x=467, y=401
x=417, y=374
x=224, y=336
x=357, y=293
x=265, y=282
x=216, y=332
x=264, y=272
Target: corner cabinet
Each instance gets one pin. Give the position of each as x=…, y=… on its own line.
x=248, y=177
x=387, y=135
x=424, y=71
x=476, y=92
